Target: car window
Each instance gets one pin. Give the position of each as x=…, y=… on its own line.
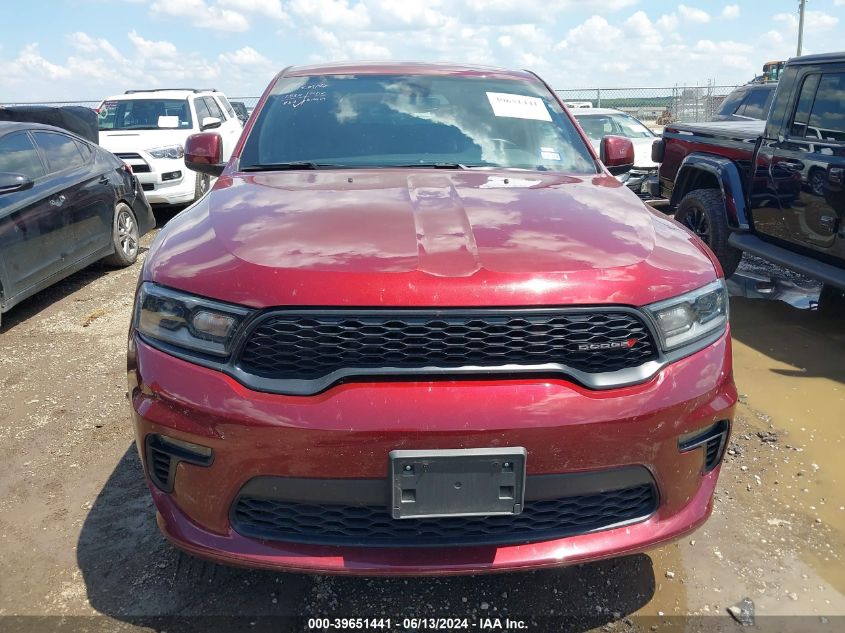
x=144, y=114
x=827, y=121
x=731, y=103
x=213, y=108
x=227, y=105
x=756, y=104
x=19, y=156
x=805, y=102
x=60, y=151
x=202, y=110
x=598, y=125
x=595, y=126
x=405, y=120
x=84, y=149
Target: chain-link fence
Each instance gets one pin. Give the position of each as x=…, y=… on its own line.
x=653, y=106
x=249, y=102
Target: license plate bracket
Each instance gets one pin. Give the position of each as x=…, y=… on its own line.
x=457, y=482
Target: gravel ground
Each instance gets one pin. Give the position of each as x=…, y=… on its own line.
x=79, y=548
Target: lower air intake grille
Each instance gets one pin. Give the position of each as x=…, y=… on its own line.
x=159, y=464
x=711, y=457
x=374, y=527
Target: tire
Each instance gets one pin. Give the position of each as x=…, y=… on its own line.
x=702, y=211
x=125, y=238
x=203, y=184
x=815, y=181
x=832, y=300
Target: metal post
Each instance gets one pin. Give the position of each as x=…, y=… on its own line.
x=801, y=4
x=598, y=97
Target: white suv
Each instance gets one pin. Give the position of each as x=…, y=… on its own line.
x=148, y=129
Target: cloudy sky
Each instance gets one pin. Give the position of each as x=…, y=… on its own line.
x=87, y=49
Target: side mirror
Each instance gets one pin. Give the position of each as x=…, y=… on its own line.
x=210, y=122
x=204, y=153
x=617, y=154
x=10, y=182
x=658, y=150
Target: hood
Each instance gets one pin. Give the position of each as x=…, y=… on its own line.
x=425, y=238
x=117, y=141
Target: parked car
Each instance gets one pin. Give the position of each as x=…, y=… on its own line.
x=418, y=327
x=751, y=101
x=148, y=129
x=64, y=204
x=791, y=208
x=80, y=120
x=599, y=122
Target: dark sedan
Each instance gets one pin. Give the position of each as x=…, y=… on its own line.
x=64, y=204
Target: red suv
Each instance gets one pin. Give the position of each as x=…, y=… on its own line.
x=418, y=327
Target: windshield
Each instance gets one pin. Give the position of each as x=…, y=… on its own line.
x=144, y=114
x=598, y=125
x=413, y=120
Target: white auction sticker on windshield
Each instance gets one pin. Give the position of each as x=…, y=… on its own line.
x=518, y=106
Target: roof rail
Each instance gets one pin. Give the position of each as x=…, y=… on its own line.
x=130, y=92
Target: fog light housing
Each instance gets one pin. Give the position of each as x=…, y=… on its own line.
x=164, y=453
x=714, y=439
x=171, y=175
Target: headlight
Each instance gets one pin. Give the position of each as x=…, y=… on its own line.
x=169, y=151
x=691, y=316
x=187, y=321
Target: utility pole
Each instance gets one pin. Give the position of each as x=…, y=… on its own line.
x=801, y=4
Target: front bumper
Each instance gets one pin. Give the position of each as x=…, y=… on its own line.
x=173, y=190
x=346, y=433
x=636, y=179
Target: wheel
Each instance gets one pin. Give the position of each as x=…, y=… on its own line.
x=702, y=211
x=815, y=181
x=125, y=237
x=203, y=184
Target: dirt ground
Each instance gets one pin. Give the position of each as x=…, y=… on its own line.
x=78, y=536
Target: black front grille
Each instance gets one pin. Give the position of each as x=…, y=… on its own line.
x=136, y=161
x=310, y=346
x=369, y=526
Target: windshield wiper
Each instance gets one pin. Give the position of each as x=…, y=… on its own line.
x=299, y=164
x=441, y=165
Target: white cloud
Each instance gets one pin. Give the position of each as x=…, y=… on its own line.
x=201, y=15
x=731, y=11
x=333, y=13
x=814, y=21
x=246, y=56
x=268, y=8
x=30, y=60
x=151, y=49
x=668, y=22
x=334, y=48
x=691, y=14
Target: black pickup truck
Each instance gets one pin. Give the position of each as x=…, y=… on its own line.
x=788, y=209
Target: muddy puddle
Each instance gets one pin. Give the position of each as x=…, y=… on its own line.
x=777, y=533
